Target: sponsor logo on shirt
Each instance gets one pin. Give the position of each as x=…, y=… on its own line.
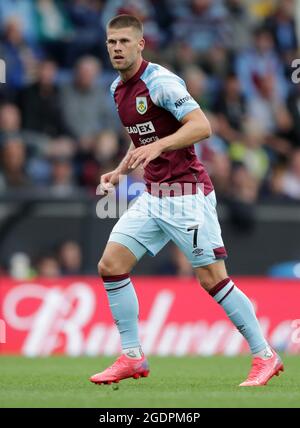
x=148, y=140
x=141, y=128
x=180, y=101
x=141, y=105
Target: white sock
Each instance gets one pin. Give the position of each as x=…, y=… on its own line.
x=134, y=353
x=264, y=354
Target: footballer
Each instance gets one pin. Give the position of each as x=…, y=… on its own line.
x=164, y=122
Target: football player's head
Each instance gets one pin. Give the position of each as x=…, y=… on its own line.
x=125, y=41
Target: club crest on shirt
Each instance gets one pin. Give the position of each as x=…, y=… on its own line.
x=141, y=105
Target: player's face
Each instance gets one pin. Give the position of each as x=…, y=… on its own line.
x=124, y=46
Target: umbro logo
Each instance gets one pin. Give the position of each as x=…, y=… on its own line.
x=198, y=251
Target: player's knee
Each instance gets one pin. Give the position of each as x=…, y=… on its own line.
x=104, y=268
x=208, y=281
x=210, y=276
x=207, y=284
x=107, y=268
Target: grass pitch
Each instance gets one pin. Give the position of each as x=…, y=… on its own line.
x=173, y=382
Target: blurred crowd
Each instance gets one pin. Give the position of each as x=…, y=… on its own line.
x=63, y=259
x=58, y=126
x=59, y=130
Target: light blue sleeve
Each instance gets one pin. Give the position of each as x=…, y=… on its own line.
x=169, y=91
x=113, y=86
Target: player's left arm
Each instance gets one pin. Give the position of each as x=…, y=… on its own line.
x=195, y=127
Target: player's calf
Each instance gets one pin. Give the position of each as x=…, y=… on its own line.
x=240, y=311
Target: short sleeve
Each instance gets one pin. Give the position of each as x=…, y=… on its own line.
x=169, y=92
x=113, y=86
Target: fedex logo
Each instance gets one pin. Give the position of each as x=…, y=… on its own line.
x=141, y=128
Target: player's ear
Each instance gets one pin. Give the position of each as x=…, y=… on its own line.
x=141, y=44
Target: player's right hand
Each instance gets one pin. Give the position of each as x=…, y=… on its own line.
x=108, y=182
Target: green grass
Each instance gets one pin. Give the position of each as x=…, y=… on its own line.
x=173, y=382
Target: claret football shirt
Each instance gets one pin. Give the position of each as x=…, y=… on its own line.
x=151, y=105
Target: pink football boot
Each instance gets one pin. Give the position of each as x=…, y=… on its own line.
x=263, y=370
x=122, y=368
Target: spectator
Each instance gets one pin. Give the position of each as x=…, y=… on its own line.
x=202, y=24
x=258, y=62
x=10, y=122
x=13, y=160
x=40, y=167
x=217, y=62
x=281, y=24
x=85, y=103
x=86, y=18
x=182, y=55
x=62, y=177
x=293, y=105
x=55, y=31
x=287, y=182
x=213, y=153
x=70, y=258
x=19, y=266
x=48, y=267
x=243, y=194
x=250, y=151
x=197, y=85
x=61, y=147
x=107, y=149
x=164, y=17
x=22, y=10
x=230, y=108
x=40, y=104
x=21, y=57
x=268, y=108
x=102, y=158
x=261, y=9
x=240, y=23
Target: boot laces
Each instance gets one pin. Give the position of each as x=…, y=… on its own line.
x=257, y=365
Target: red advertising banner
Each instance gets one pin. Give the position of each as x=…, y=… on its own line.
x=71, y=316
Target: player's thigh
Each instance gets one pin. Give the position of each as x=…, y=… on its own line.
x=212, y=274
x=195, y=229
x=138, y=231
x=116, y=260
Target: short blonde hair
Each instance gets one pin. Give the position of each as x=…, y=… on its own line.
x=124, y=21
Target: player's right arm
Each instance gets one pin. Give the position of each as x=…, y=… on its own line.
x=110, y=179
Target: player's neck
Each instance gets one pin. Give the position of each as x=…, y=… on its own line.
x=128, y=74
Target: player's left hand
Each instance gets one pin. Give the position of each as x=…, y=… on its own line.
x=143, y=155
